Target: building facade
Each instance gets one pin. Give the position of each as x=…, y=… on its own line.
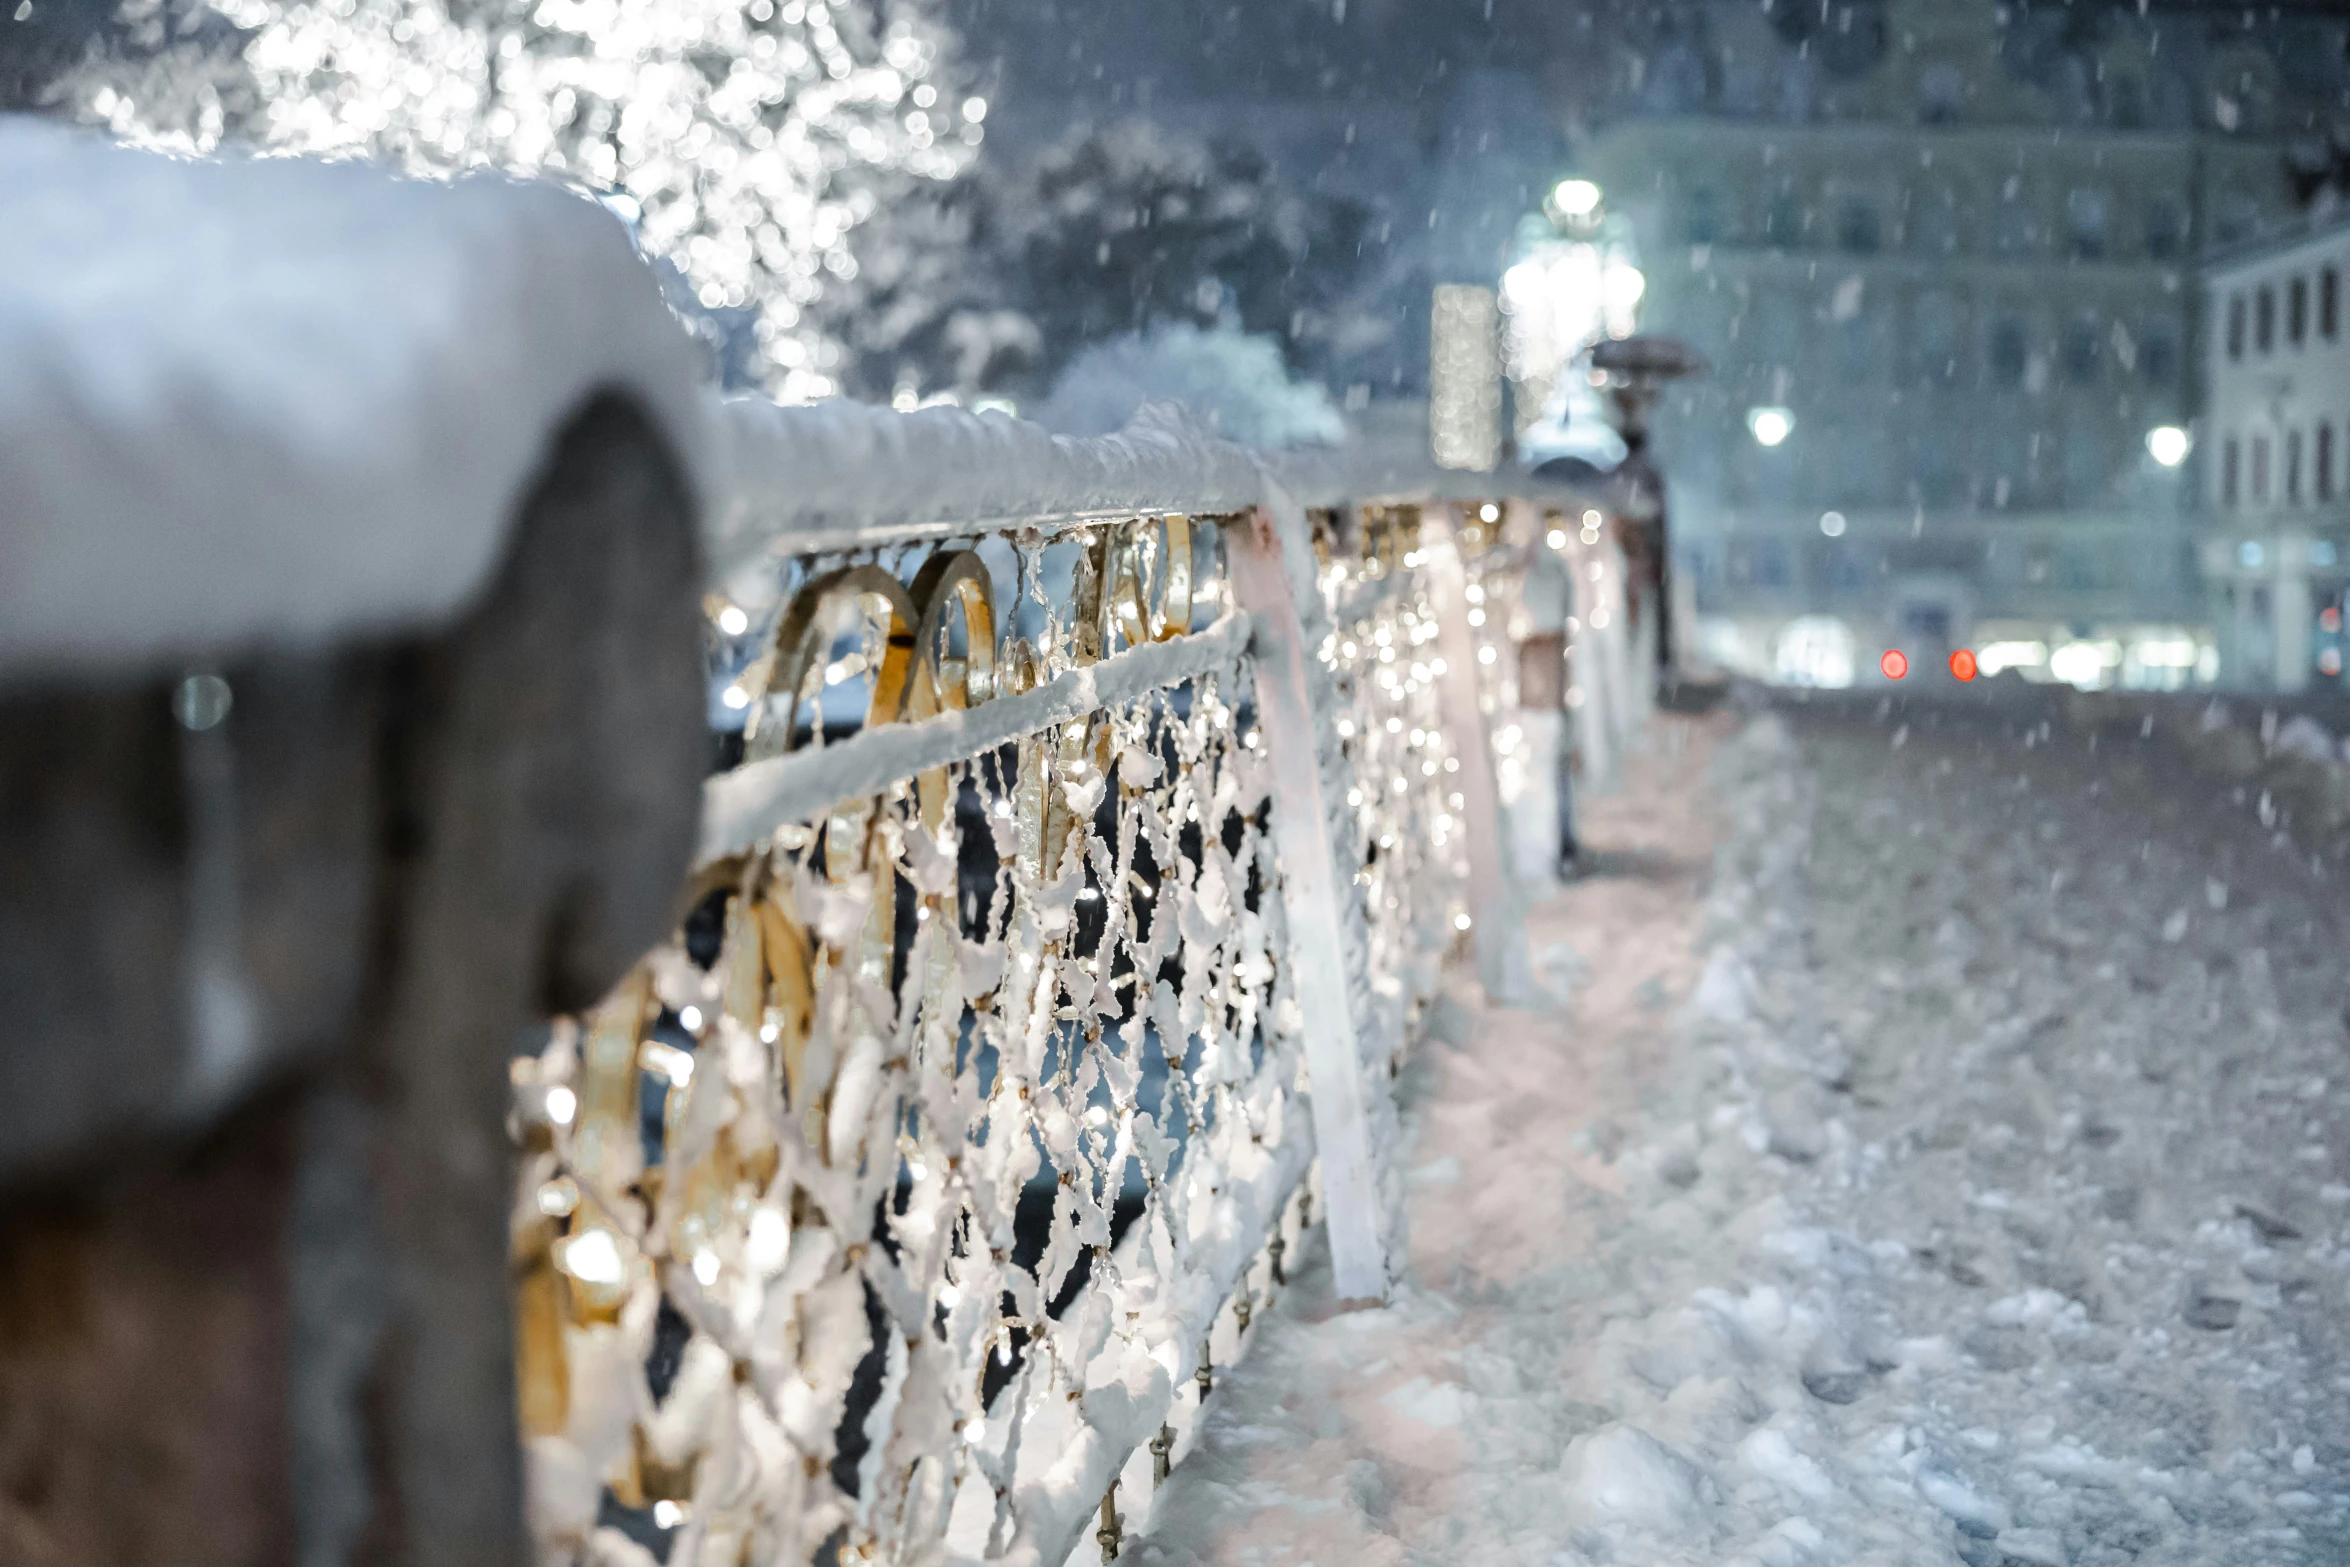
x=1947, y=307
x=2277, y=480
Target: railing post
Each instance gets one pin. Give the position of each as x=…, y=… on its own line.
x=1494, y=902
x=1354, y=1118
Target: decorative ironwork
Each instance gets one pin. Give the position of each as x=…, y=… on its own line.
x=941, y=1122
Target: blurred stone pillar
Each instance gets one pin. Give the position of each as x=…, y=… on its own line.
x=1464, y=378
x=267, y=939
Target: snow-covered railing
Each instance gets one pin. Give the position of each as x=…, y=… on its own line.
x=1596, y=704
x=1073, y=892
x=1049, y=944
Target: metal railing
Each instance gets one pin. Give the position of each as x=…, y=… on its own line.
x=1058, y=926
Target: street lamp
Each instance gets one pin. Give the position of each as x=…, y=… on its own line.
x=1574, y=206
x=1770, y=426
x=2168, y=445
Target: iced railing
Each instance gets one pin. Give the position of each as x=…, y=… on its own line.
x=902, y=1206
x=1608, y=698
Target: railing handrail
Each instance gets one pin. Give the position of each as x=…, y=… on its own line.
x=841, y=475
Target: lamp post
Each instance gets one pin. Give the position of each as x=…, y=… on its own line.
x=1632, y=373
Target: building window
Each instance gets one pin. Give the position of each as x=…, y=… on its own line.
x=2325, y=460
x=2260, y=470
x=2125, y=101
x=2013, y=234
x=1856, y=226
x=2009, y=352
x=1783, y=223
x=2158, y=352
x=2264, y=319
x=2293, y=467
x=2084, y=343
x=1703, y=222
x=1942, y=90
x=2236, y=327
x=1940, y=336
x=2239, y=218
x=2084, y=216
x=2329, y=303
x=1933, y=224
x=2297, y=312
x=2166, y=230
x=2231, y=471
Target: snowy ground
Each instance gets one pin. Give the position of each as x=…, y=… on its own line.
x=1941, y=1157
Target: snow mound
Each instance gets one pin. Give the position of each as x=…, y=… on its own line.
x=1233, y=383
x=257, y=401
x=1875, y=1260
x=1624, y=1475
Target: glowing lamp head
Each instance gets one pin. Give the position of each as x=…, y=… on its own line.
x=1770, y=426
x=2169, y=445
x=1572, y=201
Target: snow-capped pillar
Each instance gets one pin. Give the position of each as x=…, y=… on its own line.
x=1494, y=903
x=1314, y=834
x=438, y=836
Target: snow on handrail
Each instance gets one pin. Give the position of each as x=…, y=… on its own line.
x=843, y=474
x=838, y=475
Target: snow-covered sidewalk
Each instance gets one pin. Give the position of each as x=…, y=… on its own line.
x=1940, y=1157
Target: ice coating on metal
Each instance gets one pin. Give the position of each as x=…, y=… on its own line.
x=742, y=807
x=997, y=1046
x=1381, y=683
x=1500, y=939
x=841, y=473
x=1326, y=933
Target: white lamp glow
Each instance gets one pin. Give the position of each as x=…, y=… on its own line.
x=2168, y=444
x=1770, y=426
x=1574, y=199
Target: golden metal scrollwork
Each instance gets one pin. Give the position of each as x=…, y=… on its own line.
x=1138, y=621
x=1134, y=583
x=803, y=639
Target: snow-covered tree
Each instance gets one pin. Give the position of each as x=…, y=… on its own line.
x=1119, y=229
x=747, y=139
x=1236, y=385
